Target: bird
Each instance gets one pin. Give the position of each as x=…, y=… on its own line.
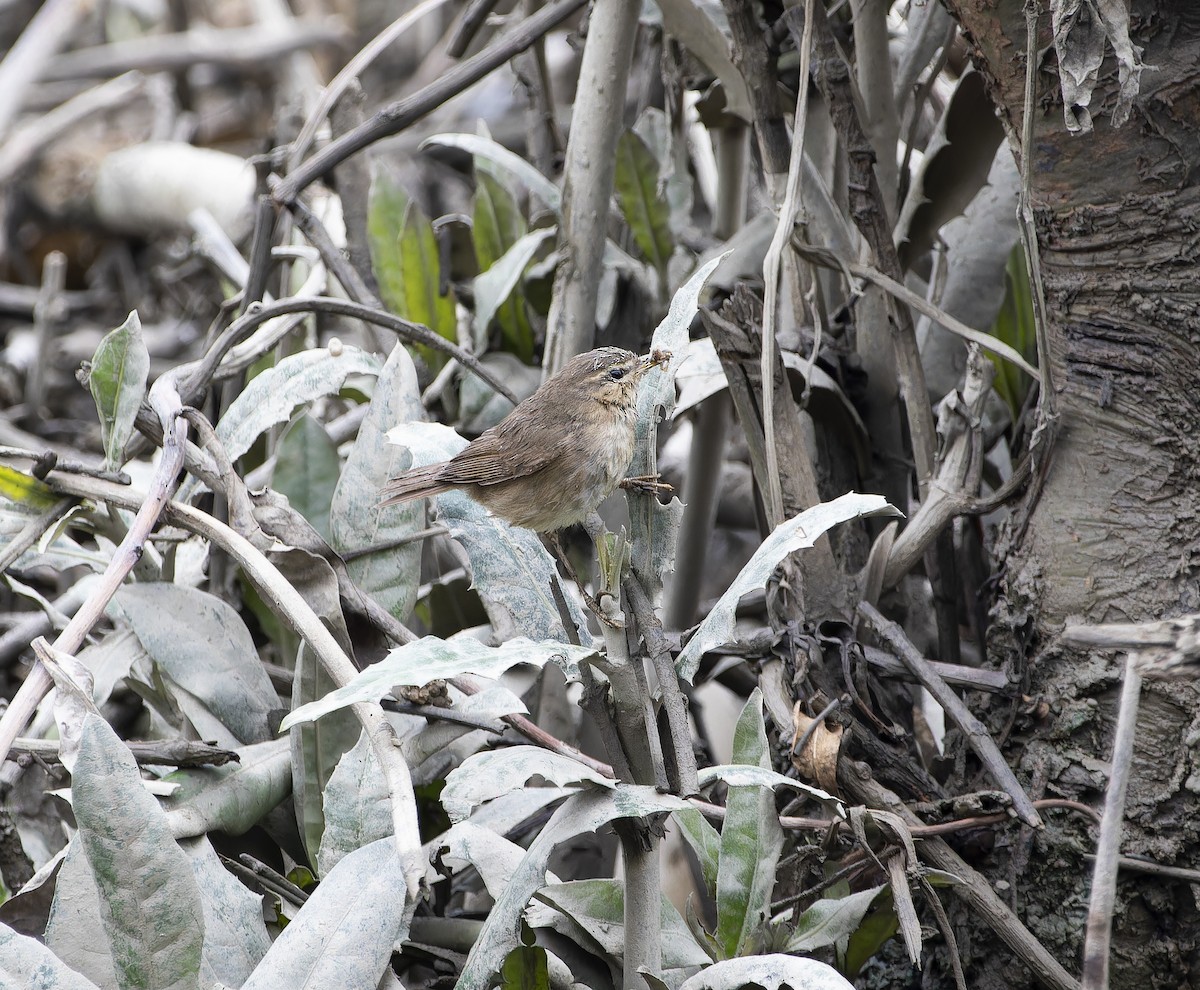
x=552, y=460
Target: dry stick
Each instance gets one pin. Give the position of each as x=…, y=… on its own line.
x=312, y=228
x=209, y=365
x=47, y=31
x=403, y=113
x=350, y=71
x=248, y=47
x=977, y=734
x=476, y=12
x=163, y=752
x=1033, y=261
x=1098, y=932
x=832, y=77
x=28, y=140
x=975, y=890
x=674, y=702
x=32, y=531
x=788, y=210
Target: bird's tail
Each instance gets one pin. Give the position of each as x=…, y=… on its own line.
x=416, y=483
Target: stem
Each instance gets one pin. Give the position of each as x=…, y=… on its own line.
x=597, y=120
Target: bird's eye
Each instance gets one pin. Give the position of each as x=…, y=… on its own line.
x=616, y=374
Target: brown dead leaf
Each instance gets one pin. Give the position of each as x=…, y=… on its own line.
x=817, y=761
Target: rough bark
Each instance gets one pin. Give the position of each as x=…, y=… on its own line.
x=1115, y=532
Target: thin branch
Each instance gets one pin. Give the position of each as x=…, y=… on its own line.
x=976, y=732
x=1098, y=931
x=397, y=116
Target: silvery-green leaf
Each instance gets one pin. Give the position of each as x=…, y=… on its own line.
x=493, y=286
x=481, y=777
x=270, y=396
x=74, y=931
x=26, y=962
x=358, y=808
x=430, y=658
x=654, y=527
x=356, y=519
x=203, y=645
x=232, y=798
x=344, y=934
x=495, y=857
x=117, y=379
x=235, y=937
x=505, y=160
x=745, y=775
x=510, y=568
x=769, y=971
x=150, y=902
x=586, y=812
x=793, y=534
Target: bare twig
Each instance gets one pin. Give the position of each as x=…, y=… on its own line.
x=1098, y=931
x=161, y=752
x=244, y=47
x=402, y=114
x=674, y=702
x=47, y=31
x=350, y=71
x=975, y=731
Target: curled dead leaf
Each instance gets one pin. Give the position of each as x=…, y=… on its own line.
x=817, y=759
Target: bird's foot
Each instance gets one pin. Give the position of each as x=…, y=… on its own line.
x=647, y=484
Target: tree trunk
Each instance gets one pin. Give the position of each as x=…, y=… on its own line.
x=1115, y=533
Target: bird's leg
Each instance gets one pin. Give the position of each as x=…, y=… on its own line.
x=647, y=484
x=554, y=545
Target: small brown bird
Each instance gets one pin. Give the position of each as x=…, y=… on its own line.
x=553, y=459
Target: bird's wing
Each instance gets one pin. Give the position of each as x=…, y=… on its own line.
x=516, y=448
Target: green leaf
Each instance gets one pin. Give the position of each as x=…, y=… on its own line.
x=525, y=968
x=117, y=379
x=646, y=212
x=832, y=919
x=750, y=746
x=306, y=471
x=501, y=161
x=751, y=841
x=594, y=910
x=1015, y=326
x=498, y=225
x=404, y=255
x=797, y=533
x=868, y=938
x=705, y=842
x=499, y=292
x=26, y=490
